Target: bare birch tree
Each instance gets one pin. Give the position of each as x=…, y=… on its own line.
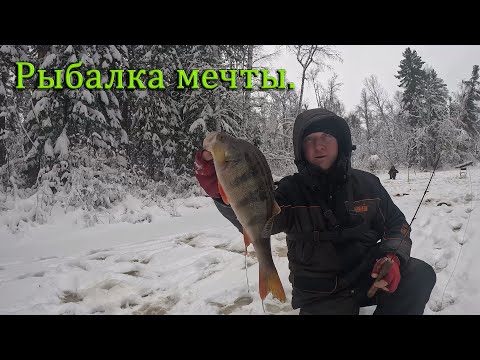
x=307, y=55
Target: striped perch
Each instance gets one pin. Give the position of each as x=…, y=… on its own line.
x=245, y=183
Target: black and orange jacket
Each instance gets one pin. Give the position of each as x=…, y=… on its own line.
x=364, y=217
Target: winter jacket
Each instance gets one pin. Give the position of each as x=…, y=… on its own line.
x=336, y=222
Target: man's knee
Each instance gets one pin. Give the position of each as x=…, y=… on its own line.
x=414, y=290
x=422, y=272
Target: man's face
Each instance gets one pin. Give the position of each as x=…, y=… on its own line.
x=320, y=149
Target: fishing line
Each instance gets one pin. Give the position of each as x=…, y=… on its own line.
x=461, y=244
x=246, y=275
x=246, y=271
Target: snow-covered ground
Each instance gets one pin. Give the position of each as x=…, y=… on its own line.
x=185, y=258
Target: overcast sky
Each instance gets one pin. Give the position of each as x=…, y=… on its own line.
x=453, y=63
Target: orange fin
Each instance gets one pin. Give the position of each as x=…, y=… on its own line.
x=246, y=239
x=269, y=282
x=267, y=228
x=222, y=194
x=276, y=209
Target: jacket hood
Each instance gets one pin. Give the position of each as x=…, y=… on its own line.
x=309, y=117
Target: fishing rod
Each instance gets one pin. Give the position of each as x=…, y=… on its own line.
x=426, y=189
x=386, y=263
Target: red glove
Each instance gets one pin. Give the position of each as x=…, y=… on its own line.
x=390, y=281
x=206, y=175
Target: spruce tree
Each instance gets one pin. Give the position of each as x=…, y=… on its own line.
x=471, y=103
x=411, y=76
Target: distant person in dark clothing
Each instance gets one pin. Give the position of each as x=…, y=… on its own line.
x=393, y=172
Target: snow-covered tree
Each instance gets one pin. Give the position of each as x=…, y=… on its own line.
x=12, y=105
x=469, y=106
x=432, y=108
x=411, y=76
x=70, y=113
x=316, y=55
x=327, y=96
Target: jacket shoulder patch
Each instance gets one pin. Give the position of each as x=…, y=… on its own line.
x=360, y=208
